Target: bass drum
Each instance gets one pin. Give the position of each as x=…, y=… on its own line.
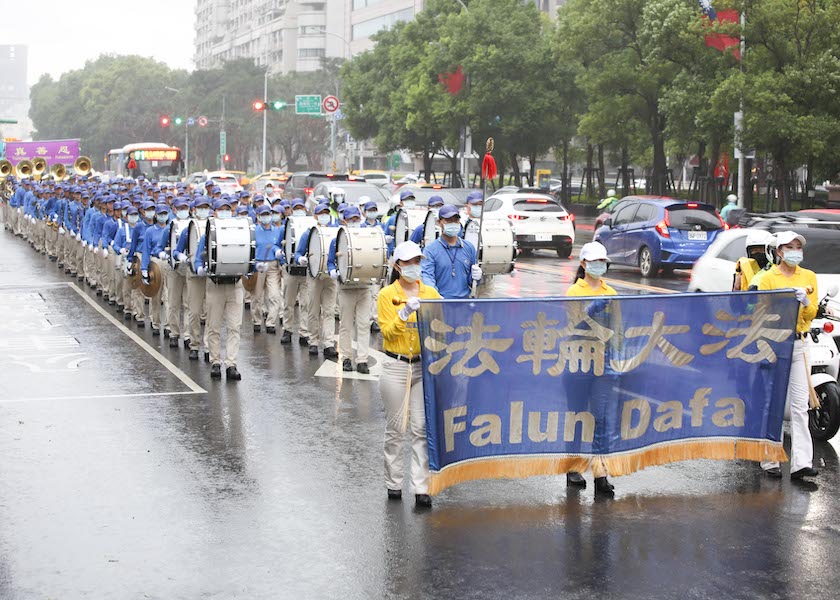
x=319, y=248
x=295, y=227
x=231, y=247
x=431, y=231
x=197, y=228
x=497, y=247
x=361, y=255
x=175, y=228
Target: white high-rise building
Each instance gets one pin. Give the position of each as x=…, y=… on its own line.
x=14, y=93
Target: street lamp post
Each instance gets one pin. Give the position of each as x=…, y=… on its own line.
x=265, y=117
x=186, y=137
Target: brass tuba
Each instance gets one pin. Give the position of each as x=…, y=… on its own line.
x=82, y=166
x=39, y=167
x=58, y=171
x=6, y=168
x=25, y=168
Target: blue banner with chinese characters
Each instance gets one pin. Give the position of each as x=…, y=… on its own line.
x=520, y=387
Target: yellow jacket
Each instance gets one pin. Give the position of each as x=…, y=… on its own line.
x=774, y=279
x=400, y=337
x=747, y=267
x=581, y=288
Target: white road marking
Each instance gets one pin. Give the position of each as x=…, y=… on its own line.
x=332, y=369
x=196, y=389
x=99, y=397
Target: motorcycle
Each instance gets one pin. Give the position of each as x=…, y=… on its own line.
x=824, y=360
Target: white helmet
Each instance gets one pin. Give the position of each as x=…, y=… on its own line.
x=337, y=195
x=759, y=237
x=732, y=198
x=610, y=193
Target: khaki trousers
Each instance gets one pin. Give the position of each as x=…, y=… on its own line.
x=297, y=290
x=321, y=310
x=392, y=386
x=266, y=297
x=155, y=301
x=176, y=285
x=196, y=294
x=225, y=302
x=354, y=309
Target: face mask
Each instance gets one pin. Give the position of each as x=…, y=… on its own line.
x=182, y=214
x=202, y=213
x=451, y=229
x=793, y=257
x=324, y=219
x=596, y=269
x=223, y=214
x=411, y=273
x=298, y=213
x=265, y=219
x=475, y=211
x=275, y=218
x=133, y=219
x=149, y=214
x=163, y=218
x=372, y=214
x=354, y=224
x=124, y=213
x=409, y=204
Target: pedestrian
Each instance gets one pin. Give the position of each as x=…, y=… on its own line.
x=450, y=264
x=401, y=380
x=788, y=274
x=265, y=300
x=731, y=204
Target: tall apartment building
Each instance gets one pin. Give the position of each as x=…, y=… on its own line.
x=14, y=93
x=293, y=35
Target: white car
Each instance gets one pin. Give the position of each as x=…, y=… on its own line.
x=714, y=271
x=227, y=182
x=539, y=221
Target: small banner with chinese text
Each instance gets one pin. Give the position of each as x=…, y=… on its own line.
x=522, y=387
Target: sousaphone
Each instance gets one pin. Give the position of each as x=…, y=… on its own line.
x=39, y=167
x=82, y=166
x=6, y=168
x=25, y=168
x=58, y=171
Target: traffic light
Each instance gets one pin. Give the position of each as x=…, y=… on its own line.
x=178, y=120
x=259, y=105
x=226, y=157
x=278, y=105
x=164, y=121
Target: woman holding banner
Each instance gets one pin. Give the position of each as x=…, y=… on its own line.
x=401, y=381
x=588, y=282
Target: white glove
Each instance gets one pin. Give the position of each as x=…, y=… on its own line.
x=78, y=237
x=61, y=230
x=262, y=267
x=303, y=260
x=389, y=239
x=410, y=308
x=201, y=271
x=475, y=272
x=180, y=257
x=802, y=296
x=123, y=251
x=162, y=255
x=334, y=273
x=278, y=254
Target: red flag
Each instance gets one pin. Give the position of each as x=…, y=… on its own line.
x=721, y=41
x=453, y=82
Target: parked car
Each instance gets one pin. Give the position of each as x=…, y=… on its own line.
x=227, y=182
x=539, y=220
x=380, y=178
x=654, y=232
x=714, y=270
x=302, y=183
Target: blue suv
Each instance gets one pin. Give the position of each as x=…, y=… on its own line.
x=655, y=232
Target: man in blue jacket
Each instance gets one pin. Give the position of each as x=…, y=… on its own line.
x=450, y=265
x=265, y=299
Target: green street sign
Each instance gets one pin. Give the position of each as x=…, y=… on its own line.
x=222, y=142
x=308, y=105
x=394, y=161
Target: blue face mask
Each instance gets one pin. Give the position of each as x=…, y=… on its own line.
x=451, y=229
x=324, y=219
x=133, y=219
x=298, y=213
x=223, y=214
x=793, y=257
x=183, y=214
x=276, y=217
x=475, y=210
x=162, y=218
x=202, y=213
x=596, y=269
x=265, y=219
x=372, y=214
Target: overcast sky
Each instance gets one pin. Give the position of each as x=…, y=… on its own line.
x=61, y=36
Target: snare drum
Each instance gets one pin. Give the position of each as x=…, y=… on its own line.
x=361, y=255
x=497, y=247
x=318, y=249
x=197, y=229
x=295, y=227
x=231, y=247
x=176, y=227
x=431, y=231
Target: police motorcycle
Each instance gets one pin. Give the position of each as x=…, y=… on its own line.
x=824, y=361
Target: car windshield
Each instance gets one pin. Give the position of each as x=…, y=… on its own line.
x=821, y=255
x=422, y=195
x=693, y=218
x=538, y=205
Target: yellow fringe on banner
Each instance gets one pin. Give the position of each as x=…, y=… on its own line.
x=512, y=467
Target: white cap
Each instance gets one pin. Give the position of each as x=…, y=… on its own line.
x=732, y=198
x=407, y=251
x=594, y=251
x=786, y=237
x=758, y=237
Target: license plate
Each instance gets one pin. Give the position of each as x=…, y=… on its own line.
x=542, y=237
x=698, y=235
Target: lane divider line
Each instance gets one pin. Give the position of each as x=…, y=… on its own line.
x=196, y=389
x=97, y=397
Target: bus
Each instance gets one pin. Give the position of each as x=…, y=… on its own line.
x=151, y=159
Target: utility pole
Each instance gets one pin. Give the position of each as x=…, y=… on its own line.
x=265, y=117
x=742, y=159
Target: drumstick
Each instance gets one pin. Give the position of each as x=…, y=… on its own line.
x=809, y=289
x=398, y=301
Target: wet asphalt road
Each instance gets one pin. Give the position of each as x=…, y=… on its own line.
x=120, y=477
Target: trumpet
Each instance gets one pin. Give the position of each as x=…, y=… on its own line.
x=25, y=168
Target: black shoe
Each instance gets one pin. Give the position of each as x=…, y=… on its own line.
x=303, y=341
x=111, y=302
x=120, y=309
x=140, y=324
x=257, y=328
x=173, y=342
x=166, y=333
x=232, y=374
x=604, y=488
x=187, y=343
x=423, y=500
x=127, y=316
x=575, y=479
x=247, y=305
x=347, y=365
x=206, y=356
x=394, y=494
x=287, y=337
x=330, y=352
x=98, y=292
x=773, y=473
x=155, y=331
x=270, y=329
x=806, y=472
x=362, y=368
x=203, y=321
x=193, y=354
x=216, y=372
x=313, y=350
x=374, y=327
